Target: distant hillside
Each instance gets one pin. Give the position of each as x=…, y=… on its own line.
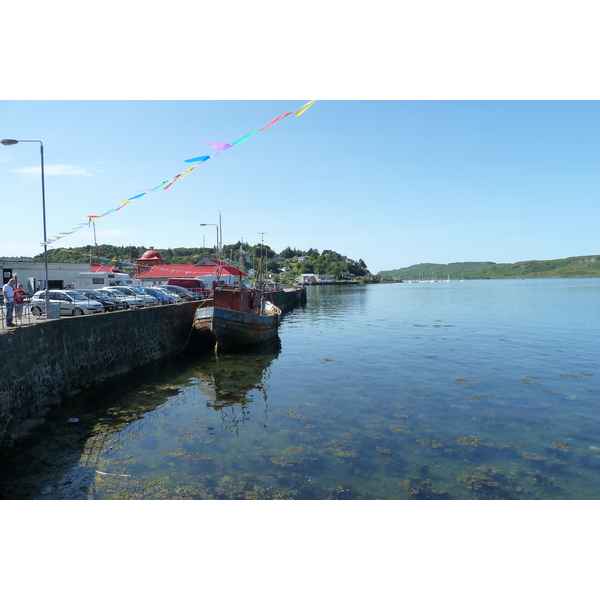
x=284, y=266
x=576, y=266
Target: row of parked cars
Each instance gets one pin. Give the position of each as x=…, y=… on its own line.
x=84, y=302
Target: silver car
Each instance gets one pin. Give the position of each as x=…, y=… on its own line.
x=130, y=300
x=69, y=303
x=148, y=299
x=110, y=303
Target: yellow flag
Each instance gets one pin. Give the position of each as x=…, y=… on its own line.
x=305, y=107
x=188, y=171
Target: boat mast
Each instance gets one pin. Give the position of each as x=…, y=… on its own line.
x=260, y=273
x=241, y=267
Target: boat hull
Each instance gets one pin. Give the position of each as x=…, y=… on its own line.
x=203, y=318
x=233, y=328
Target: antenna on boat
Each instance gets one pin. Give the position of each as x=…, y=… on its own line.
x=241, y=264
x=260, y=273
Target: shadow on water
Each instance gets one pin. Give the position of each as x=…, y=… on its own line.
x=64, y=455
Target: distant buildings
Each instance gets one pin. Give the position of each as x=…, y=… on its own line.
x=309, y=278
x=152, y=269
x=33, y=274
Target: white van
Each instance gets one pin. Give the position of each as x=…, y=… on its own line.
x=95, y=281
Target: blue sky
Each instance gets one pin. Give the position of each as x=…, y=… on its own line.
x=392, y=182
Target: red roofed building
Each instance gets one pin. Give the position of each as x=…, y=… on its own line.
x=160, y=274
x=149, y=259
x=96, y=268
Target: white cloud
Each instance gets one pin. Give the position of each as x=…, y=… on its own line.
x=69, y=170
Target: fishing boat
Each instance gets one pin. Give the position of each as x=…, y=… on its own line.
x=240, y=316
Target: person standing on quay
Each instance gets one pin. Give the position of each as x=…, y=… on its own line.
x=20, y=295
x=9, y=301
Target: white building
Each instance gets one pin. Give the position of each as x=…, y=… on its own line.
x=33, y=274
x=306, y=278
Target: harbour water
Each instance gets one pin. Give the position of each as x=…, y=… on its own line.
x=448, y=390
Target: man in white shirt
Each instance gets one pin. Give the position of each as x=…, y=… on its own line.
x=9, y=301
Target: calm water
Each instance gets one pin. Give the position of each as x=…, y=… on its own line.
x=448, y=390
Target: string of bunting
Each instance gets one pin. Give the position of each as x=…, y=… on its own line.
x=165, y=185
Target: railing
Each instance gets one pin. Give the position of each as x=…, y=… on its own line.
x=20, y=316
x=30, y=315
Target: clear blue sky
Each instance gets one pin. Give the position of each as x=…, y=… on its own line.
x=392, y=182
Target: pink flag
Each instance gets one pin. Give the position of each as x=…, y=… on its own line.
x=220, y=146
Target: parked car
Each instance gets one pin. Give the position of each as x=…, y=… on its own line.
x=69, y=303
x=110, y=303
x=159, y=294
x=130, y=300
x=176, y=298
x=148, y=299
x=182, y=292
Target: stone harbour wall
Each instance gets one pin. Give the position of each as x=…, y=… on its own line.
x=287, y=300
x=42, y=364
x=45, y=363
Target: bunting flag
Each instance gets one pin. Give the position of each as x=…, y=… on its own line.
x=305, y=107
x=186, y=173
x=172, y=182
x=159, y=186
x=201, y=158
x=165, y=185
x=275, y=121
x=220, y=146
x=245, y=138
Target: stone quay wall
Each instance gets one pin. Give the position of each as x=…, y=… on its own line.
x=287, y=300
x=50, y=361
x=43, y=364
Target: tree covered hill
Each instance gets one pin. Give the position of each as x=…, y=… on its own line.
x=284, y=265
x=576, y=266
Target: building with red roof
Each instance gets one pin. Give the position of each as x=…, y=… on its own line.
x=160, y=274
x=149, y=259
x=96, y=268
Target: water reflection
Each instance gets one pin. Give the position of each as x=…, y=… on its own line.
x=119, y=434
x=229, y=380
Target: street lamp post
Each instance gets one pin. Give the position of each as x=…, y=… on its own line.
x=214, y=225
x=12, y=143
